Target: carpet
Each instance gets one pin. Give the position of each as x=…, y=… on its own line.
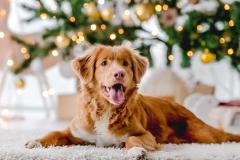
x=12, y=148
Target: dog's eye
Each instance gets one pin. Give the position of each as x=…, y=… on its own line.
x=104, y=63
x=125, y=63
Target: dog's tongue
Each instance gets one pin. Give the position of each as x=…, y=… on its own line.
x=117, y=95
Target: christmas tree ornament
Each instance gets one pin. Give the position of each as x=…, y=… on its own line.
x=144, y=11
x=62, y=41
x=20, y=83
x=207, y=57
x=91, y=10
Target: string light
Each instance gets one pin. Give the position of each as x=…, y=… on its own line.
x=113, y=36
x=103, y=26
x=2, y=34
x=23, y=50
x=120, y=31
x=85, y=5
x=170, y=57
x=165, y=7
x=80, y=33
x=93, y=27
x=221, y=40
x=180, y=28
x=80, y=39
x=126, y=12
x=227, y=7
x=72, y=19
x=55, y=53
x=74, y=38
x=43, y=16
x=158, y=8
x=178, y=5
x=199, y=27
x=10, y=62
x=190, y=53
x=230, y=51
x=231, y=23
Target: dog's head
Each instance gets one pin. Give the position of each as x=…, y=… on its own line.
x=111, y=71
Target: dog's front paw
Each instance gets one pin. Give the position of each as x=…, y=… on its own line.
x=33, y=144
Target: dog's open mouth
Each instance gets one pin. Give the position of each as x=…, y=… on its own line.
x=116, y=93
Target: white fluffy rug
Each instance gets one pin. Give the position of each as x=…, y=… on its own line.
x=12, y=148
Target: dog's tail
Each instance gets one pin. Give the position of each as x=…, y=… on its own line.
x=223, y=136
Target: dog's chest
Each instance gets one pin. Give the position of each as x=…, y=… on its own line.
x=101, y=135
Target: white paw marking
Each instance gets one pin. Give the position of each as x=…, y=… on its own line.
x=33, y=144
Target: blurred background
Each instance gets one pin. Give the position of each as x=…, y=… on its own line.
x=193, y=47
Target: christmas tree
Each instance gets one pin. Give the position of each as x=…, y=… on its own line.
x=209, y=27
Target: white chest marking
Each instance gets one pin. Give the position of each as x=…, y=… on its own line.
x=101, y=136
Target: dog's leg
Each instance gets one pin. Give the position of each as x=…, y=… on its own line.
x=146, y=141
x=56, y=138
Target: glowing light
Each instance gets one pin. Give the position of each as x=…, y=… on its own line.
x=10, y=62
x=165, y=7
x=190, y=53
x=43, y=16
x=199, y=27
x=112, y=36
x=126, y=12
x=227, y=7
x=80, y=33
x=55, y=53
x=231, y=23
x=230, y=51
x=93, y=27
x=170, y=57
x=74, y=38
x=221, y=40
x=23, y=50
x=180, y=28
x=158, y=8
x=120, y=31
x=72, y=19
x=85, y=5
x=80, y=39
x=2, y=34
x=103, y=26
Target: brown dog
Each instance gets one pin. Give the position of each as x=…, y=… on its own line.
x=112, y=112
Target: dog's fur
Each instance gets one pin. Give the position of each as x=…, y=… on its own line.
x=141, y=121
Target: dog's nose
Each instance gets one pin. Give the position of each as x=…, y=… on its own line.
x=119, y=75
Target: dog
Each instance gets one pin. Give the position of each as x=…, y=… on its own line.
x=113, y=113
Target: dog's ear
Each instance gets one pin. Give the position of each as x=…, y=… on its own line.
x=140, y=65
x=84, y=66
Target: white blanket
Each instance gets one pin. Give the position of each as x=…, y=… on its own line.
x=12, y=148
